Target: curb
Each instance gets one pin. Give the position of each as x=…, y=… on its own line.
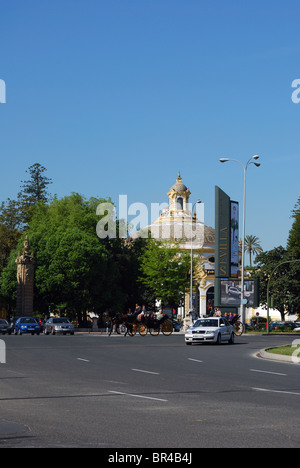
x=276, y=357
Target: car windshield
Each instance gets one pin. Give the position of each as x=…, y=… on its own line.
x=206, y=323
x=28, y=320
x=3, y=322
x=61, y=320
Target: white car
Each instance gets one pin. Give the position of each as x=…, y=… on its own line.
x=212, y=329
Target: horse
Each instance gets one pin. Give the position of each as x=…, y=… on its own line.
x=123, y=319
x=154, y=323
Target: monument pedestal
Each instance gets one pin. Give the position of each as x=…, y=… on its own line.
x=25, y=281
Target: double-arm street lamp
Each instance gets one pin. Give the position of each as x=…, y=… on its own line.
x=252, y=160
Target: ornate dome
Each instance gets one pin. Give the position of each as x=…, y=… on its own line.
x=179, y=187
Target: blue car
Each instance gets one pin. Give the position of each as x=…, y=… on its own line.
x=27, y=325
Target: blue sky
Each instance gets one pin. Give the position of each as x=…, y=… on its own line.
x=116, y=96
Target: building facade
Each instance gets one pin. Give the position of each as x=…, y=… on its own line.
x=179, y=222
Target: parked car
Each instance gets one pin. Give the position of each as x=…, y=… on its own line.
x=5, y=327
x=212, y=329
x=176, y=326
x=27, y=325
x=58, y=325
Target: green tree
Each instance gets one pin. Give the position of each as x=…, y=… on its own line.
x=165, y=271
x=15, y=214
x=252, y=246
x=33, y=191
x=293, y=243
x=284, y=283
x=74, y=272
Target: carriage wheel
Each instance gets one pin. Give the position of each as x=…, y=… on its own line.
x=122, y=329
x=132, y=331
x=154, y=331
x=239, y=328
x=167, y=328
x=143, y=329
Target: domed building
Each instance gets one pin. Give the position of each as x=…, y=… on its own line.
x=178, y=221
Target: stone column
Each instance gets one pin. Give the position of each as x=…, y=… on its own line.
x=25, y=282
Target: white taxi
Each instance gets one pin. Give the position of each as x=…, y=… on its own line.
x=211, y=329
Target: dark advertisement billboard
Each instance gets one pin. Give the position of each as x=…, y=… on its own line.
x=222, y=234
x=226, y=236
x=234, y=238
x=230, y=292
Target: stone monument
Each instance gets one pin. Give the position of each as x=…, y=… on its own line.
x=25, y=281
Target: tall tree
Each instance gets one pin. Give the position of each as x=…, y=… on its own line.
x=33, y=191
x=74, y=272
x=293, y=243
x=278, y=266
x=165, y=270
x=252, y=246
x=15, y=214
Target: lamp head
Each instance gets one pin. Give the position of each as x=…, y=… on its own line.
x=222, y=160
x=256, y=156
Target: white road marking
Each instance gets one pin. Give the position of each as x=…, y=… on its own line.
x=80, y=359
x=275, y=391
x=145, y=371
x=136, y=396
x=196, y=360
x=266, y=372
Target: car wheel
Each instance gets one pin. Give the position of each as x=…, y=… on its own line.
x=219, y=339
x=231, y=341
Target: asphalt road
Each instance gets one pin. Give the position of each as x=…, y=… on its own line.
x=114, y=392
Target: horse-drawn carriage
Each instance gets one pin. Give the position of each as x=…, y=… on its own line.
x=131, y=324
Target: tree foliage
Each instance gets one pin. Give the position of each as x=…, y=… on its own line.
x=165, y=270
x=293, y=243
x=252, y=246
x=283, y=268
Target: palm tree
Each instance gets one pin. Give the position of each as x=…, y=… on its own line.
x=252, y=246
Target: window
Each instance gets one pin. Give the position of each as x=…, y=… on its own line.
x=179, y=203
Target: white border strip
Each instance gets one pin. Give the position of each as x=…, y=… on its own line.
x=145, y=371
x=136, y=396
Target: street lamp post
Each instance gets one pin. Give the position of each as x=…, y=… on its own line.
x=252, y=160
x=191, y=273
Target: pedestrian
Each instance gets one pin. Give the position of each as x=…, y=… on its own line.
x=142, y=313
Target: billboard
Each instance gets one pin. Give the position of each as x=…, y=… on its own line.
x=234, y=238
x=226, y=235
x=230, y=292
x=222, y=233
